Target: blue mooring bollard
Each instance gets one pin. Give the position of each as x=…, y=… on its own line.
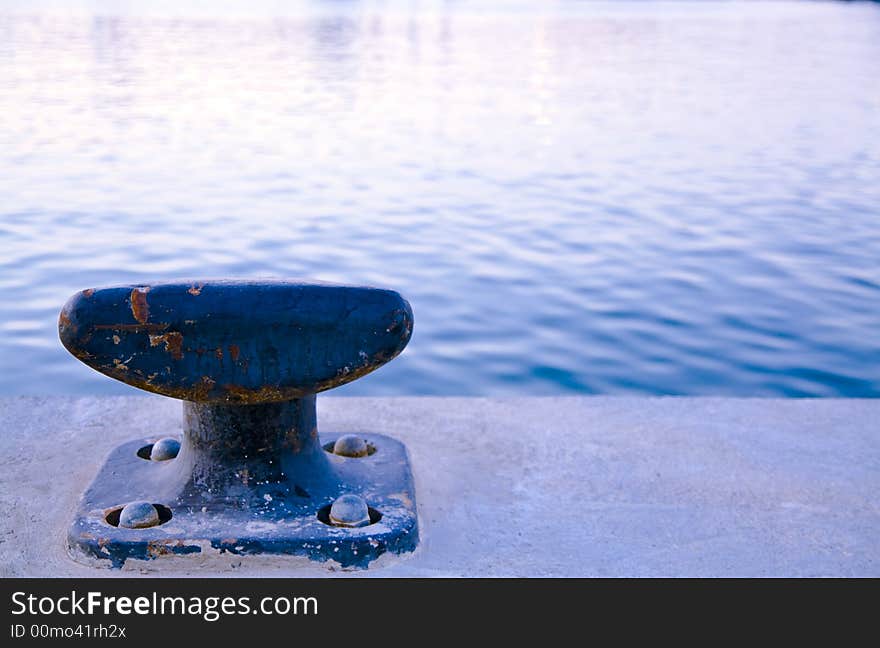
x=249, y=475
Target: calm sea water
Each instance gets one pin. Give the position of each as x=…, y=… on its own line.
x=643, y=198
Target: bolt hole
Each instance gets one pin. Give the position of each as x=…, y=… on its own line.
x=371, y=449
x=162, y=450
x=111, y=517
x=324, y=515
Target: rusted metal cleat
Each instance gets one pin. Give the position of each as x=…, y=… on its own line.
x=249, y=474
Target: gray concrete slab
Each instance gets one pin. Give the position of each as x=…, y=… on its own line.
x=579, y=486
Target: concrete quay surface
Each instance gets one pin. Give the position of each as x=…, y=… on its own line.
x=560, y=486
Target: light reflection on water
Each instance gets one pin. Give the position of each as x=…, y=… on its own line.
x=575, y=199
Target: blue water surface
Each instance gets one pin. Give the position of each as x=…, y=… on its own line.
x=616, y=198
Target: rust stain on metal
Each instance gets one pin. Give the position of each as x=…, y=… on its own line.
x=134, y=328
x=88, y=292
x=65, y=323
x=156, y=548
x=269, y=393
x=82, y=355
x=201, y=391
x=196, y=289
x=173, y=343
x=233, y=352
x=204, y=390
x=139, y=307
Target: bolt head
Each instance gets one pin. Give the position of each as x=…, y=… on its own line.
x=349, y=511
x=138, y=515
x=165, y=449
x=350, y=446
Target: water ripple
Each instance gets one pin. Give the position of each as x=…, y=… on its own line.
x=580, y=198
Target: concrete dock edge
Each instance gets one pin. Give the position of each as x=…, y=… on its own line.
x=556, y=486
